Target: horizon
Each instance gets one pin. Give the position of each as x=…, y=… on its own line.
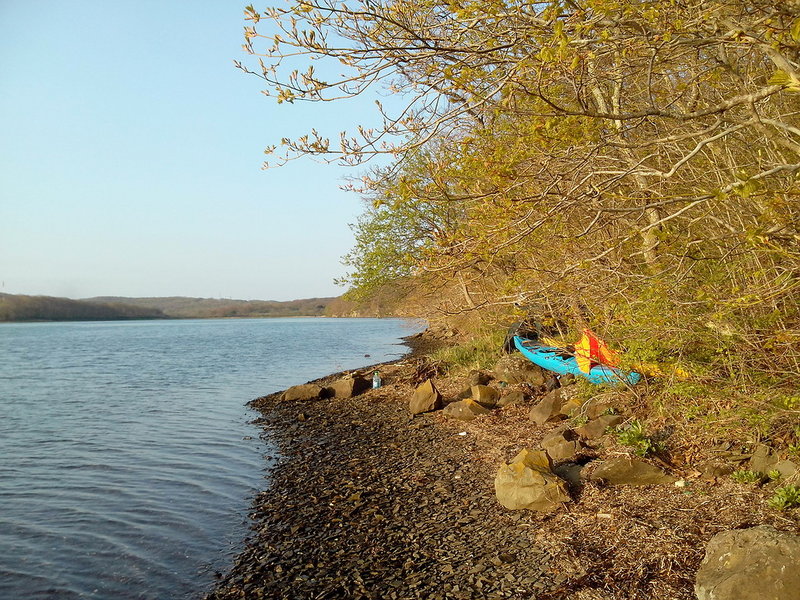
x=133, y=161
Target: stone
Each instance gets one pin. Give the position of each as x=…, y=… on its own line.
x=629, y=471
x=511, y=398
x=715, y=469
x=479, y=378
x=485, y=395
x=464, y=394
x=597, y=427
x=759, y=563
x=348, y=387
x=515, y=368
x=763, y=459
x=594, y=408
x=562, y=445
x=570, y=408
x=528, y=482
x=426, y=398
x=465, y=410
x=548, y=409
x=303, y=393
x=789, y=470
x=571, y=472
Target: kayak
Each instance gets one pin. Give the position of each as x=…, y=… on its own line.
x=559, y=361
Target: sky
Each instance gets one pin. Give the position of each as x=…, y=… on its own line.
x=131, y=154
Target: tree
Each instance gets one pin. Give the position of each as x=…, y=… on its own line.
x=603, y=156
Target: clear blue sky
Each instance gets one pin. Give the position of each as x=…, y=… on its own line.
x=131, y=152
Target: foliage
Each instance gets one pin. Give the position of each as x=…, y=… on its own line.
x=46, y=308
x=631, y=166
x=747, y=477
x=785, y=497
x=481, y=352
x=634, y=436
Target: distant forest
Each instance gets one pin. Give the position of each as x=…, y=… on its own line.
x=179, y=307
x=46, y=308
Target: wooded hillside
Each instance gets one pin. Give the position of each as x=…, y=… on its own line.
x=47, y=308
x=204, y=308
x=623, y=164
x=111, y=308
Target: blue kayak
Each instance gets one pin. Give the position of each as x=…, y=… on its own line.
x=558, y=361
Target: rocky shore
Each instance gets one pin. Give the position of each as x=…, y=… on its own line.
x=370, y=501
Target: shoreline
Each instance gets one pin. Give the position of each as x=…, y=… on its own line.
x=366, y=501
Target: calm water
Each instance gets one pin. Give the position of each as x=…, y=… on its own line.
x=127, y=463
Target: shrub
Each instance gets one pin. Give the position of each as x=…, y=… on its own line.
x=635, y=437
x=785, y=497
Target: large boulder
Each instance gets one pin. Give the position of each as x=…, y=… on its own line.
x=629, y=471
x=479, y=377
x=485, y=395
x=511, y=398
x=528, y=482
x=549, y=408
x=465, y=410
x=515, y=368
x=303, y=393
x=597, y=427
x=759, y=563
x=425, y=399
x=348, y=387
x=562, y=445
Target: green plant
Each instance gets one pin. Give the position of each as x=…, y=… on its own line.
x=480, y=353
x=580, y=420
x=635, y=437
x=774, y=475
x=788, y=402
x=749, y=477
x=785, y=497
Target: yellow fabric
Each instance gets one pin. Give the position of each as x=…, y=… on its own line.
x=583, y=354
x=591, y=349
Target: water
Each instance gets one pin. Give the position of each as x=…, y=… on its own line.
x=127, y=461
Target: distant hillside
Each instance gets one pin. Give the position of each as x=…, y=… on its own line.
x=209, y=308
x=46, y=308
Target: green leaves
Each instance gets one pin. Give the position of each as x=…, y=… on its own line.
x=789, y=81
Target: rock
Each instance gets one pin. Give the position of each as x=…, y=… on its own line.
x=763, y=459
x=629, y=471
x=594, y=408
x=788, y=470
x=528, y=482
x=349, y=387
x=465, y=410
x=597, y=427
x=515, y=368
x=425, y=399
x=714, y=469
x=464, y=394
x=485, y=395
x=303, y=393
x=570, y=408
x=513, y=397
x=571, y=472
x=759, y=563
x=562, y=445
x=479, y=378
x=548, y=409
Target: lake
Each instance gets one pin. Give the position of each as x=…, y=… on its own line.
x=127, y=458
